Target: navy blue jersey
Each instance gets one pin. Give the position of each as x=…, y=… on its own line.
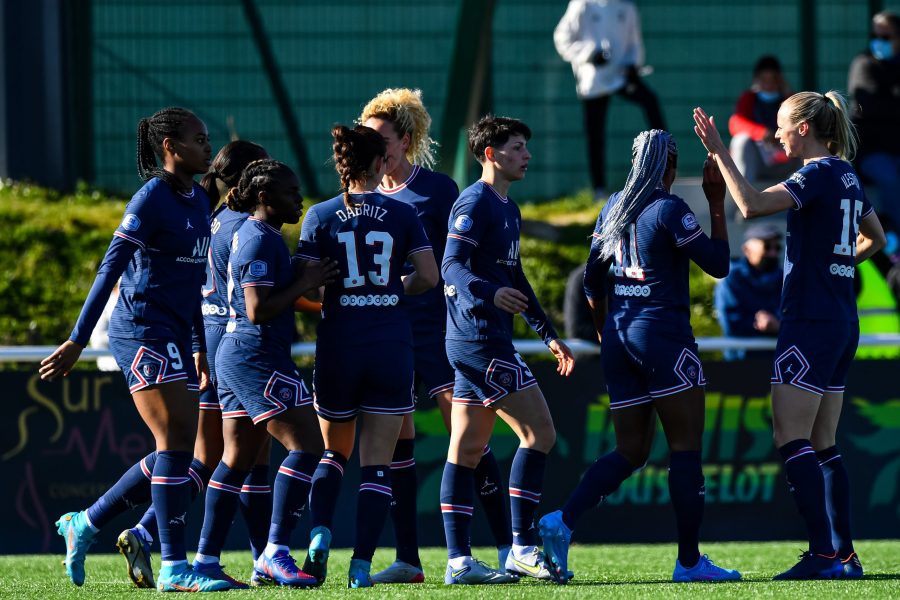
x=259, y=258
x=820, y=255
x=371, y=243
x=432, y=195
x=482, y=255
x=651, y=265
x=225, y=222
x=160, y=249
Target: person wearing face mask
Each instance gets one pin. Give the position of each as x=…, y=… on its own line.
x=874, y=88
x=747, y=300
x=752, y=126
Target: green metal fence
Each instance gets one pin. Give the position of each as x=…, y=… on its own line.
x=329, y=58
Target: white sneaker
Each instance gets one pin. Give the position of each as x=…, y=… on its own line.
x=474, y=572
x=531, y=564
x=400, y=572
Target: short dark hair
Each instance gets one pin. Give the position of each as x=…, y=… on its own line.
x=494, y=132
x=768, y=62
x=891, y=18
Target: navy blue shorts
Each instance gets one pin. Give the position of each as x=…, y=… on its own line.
x=349, y=380
x=209, y=398
x=432, y=368
x=256, y=383
x=815, y=355
x=150, y=362
x=641, y=364
x=487, y=372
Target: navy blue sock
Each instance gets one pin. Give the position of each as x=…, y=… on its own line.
x=256, y=506
x=492, y=494
x=404, y=507
x=807, y=485
x=457, y=498
x=837, y=498
x=222, y=498
x=688, y=493
x=199, y=474
x=372, y=505
x=132, y=489
x=290, y=494
x=600, y=480
x=171, y=492
x=326, y=486
x=526, y=482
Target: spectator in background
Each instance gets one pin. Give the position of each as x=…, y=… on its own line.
x=602, y=41
x=753, y=146
x=874, y=88
x=748, y=299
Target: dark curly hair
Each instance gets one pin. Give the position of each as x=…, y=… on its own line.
x=151, y=131
x=228, y=165
x=354, y=151
x=258, y=176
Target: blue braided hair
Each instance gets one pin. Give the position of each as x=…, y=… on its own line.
x=650, y=155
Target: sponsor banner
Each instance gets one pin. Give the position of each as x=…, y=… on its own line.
x=64, y=443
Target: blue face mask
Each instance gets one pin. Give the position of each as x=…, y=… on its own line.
x=768, y=97
x=882, y=49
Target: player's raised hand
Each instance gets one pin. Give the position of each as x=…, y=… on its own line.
x=705, y=128
x=564, y=357
x=61, y=361
x=511, y=300
x=713, y=182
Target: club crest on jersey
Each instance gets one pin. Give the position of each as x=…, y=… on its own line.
x=258, y=268
x=131, y=222
x=463, y=223
x=689, y=221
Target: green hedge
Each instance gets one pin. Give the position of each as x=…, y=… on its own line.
x=52, y=245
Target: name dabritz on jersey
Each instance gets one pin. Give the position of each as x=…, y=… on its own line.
x=363, y=210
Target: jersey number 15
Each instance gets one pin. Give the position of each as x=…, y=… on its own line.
x=847, y=247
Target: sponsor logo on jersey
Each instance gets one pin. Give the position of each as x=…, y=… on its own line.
x=213, y=310
x=689, y=221
x=370, y=300
x=189, y=226
x=201, y=249
x=798, y=179
x=258, y=268
x=131, y=222
x=149, y=370
x=632, y=290
x=463, y=223
x=449, y=290
x=842, y=270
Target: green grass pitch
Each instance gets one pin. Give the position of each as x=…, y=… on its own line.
x=620, y=571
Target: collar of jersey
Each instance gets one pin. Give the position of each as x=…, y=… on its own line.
x=265, y=225
x=409, y=179
x=496, y=193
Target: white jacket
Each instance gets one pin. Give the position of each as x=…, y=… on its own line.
x=592, y=25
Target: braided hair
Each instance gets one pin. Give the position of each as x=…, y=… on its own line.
x=354, y=151
x=403, y=108
x=651, y=154
x=258, y=176
x=151, y=132
x=228, y=166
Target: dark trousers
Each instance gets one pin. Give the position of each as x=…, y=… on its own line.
x=595, y=124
